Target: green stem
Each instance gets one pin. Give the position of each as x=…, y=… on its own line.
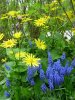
x=64, y=11
x=18, y=77
x=72, y=6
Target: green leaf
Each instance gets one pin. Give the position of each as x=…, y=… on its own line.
x=37, y=87
x=20, y=69
x=10, y=64
x=55, y=55
x=26, y=92
x=4, y=98
x=49, y=98
x=44, y=63
x=11, y=52
x=2, y=82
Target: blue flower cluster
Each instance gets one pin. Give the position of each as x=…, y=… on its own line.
x=6, y=93
x=30, y=75
x=7, y=67
x=55, y=73
x=43, y=87
x=7, y=82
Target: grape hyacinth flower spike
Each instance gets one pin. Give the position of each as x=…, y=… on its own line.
x=44, y=87
x=63, y=57
x=50, y=61
x=42, y=74
x=73, y=63
x=7, y=94
x=7, y=67
x=7, y=82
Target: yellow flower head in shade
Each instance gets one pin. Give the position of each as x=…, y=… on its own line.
x=54, y=8
x=20, y=54
x=9, y=43
x=31, y=60
x=3, y=60
x=17, y=35
x=40, y=22
x=1, y=36
x=40, y=44
x=26, y=20
x=69, y=13
x=73, y=30
x=47, y=17
x=59, y=18
x=4, y=17
x=12, y=13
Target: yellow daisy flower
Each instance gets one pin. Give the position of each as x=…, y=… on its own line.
x=9, y=43
x=1, y=36
x=40, y=22
x=40, y=44
x=73, y=30
x=31, y=60
x=26, y=20
x=12, y=13
x=3, y=60
x=17, y=35
x=20, y=54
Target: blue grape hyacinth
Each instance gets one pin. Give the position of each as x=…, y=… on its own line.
x=49, y=73
x=30, y=75
x=51, y=86
x=69, y=70
x=73, y=63
x=42, y=74
x=54, y=75
x=30, y=72
x=56, y=72
x=44, y=87
x=50, y=61
x=63, y=57
x=32, y=82
x=7, y=82
x=57, y=79
x=7, y=67
x=7, y=94
x=57, y=65
x=39, y=67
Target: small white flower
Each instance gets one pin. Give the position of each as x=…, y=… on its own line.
x=48, y=34
x=68, y=34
